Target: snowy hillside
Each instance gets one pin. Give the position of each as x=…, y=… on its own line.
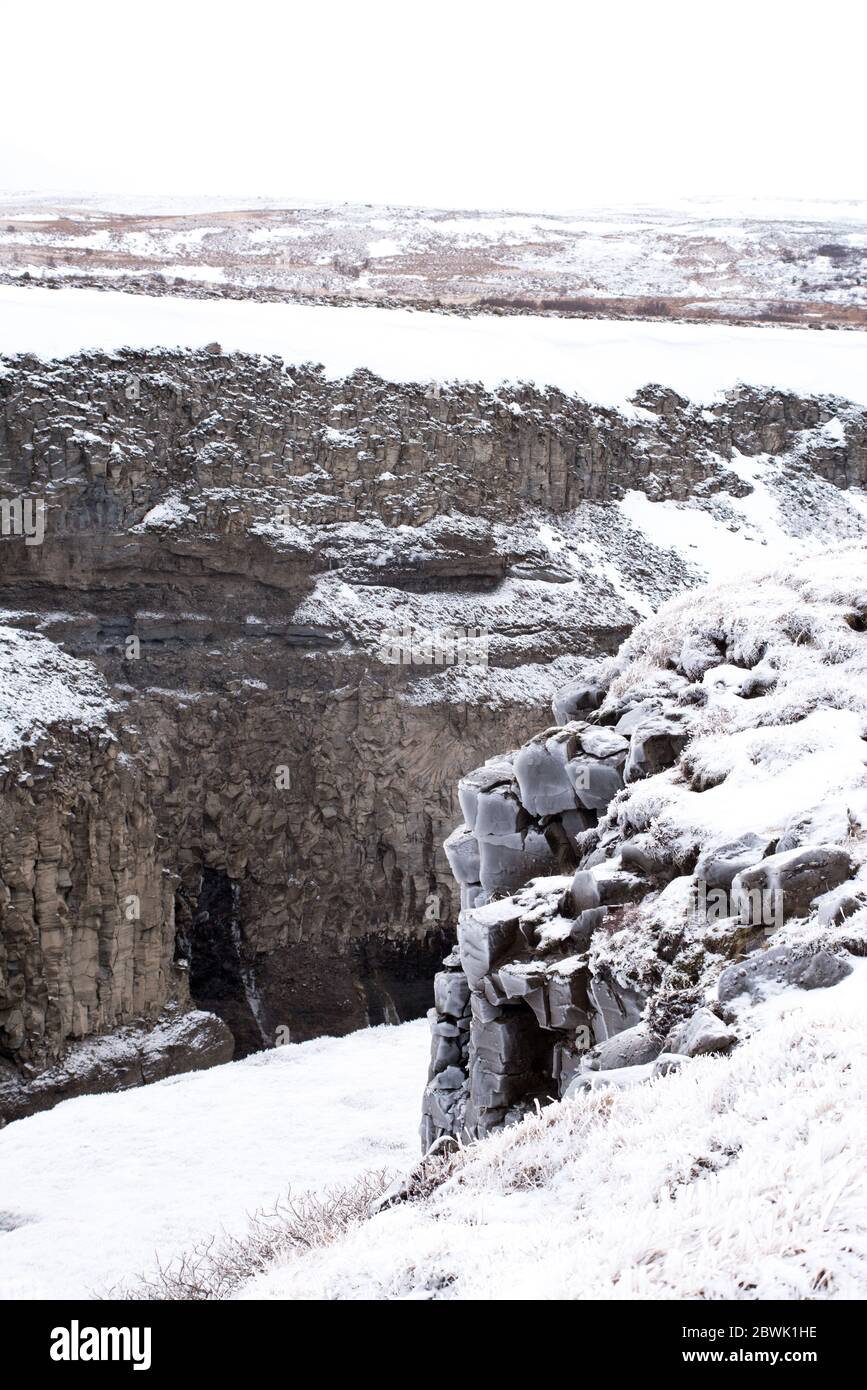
x=737, y=1178
x=703, y=260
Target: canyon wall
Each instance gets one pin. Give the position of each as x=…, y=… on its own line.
x=254, y=825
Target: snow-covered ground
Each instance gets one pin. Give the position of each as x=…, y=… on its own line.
x=736, y=1178
x=738, y=536
x=92, y=1192
x=601, y=361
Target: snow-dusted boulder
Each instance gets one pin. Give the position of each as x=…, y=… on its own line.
x=631, y=1048
x=785, y=885
x=581, y=696
x=462, y=851
x=655, y=744
x=701, y=1034
x=720, y=864
x=780, y=968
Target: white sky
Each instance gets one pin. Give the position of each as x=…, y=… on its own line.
x=485, y=103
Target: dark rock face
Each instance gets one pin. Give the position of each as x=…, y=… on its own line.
x=211, y=946
x=135, y=1055
x=547, y=996
x=229, y=544
x=537, y=1008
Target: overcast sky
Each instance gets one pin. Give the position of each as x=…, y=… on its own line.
x=473, y=104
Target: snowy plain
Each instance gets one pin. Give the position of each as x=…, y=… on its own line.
x=709, y=258
x=94, y=1191
x=601, y=361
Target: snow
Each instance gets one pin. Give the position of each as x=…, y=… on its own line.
x=169, y=514
x=41, y=686
x=794, y=754
x=734, y=1178
x=602, y=361
x=738, y=536
x=97, y=1188
x=207, y=274
x=382, y=247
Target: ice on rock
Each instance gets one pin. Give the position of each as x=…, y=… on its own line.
x=486, y=936
x=451, y=993
x=499, y=814
x=510, y=861
x=595, y=784
x=462, y=851
x=472, y=895
x=540, y=769
x=493, y=774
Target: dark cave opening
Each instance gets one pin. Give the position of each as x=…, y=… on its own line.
x=397, y=976
x=209, y=937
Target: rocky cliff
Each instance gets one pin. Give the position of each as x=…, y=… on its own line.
x=271, y=576
x=687, y=840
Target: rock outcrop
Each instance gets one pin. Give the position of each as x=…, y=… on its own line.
x=610, y=925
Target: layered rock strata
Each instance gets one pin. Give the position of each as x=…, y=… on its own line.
x=246, y=556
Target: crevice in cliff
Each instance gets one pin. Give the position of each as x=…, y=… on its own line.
x=221, y=981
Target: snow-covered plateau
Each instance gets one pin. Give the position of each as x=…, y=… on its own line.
x=598, y=360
